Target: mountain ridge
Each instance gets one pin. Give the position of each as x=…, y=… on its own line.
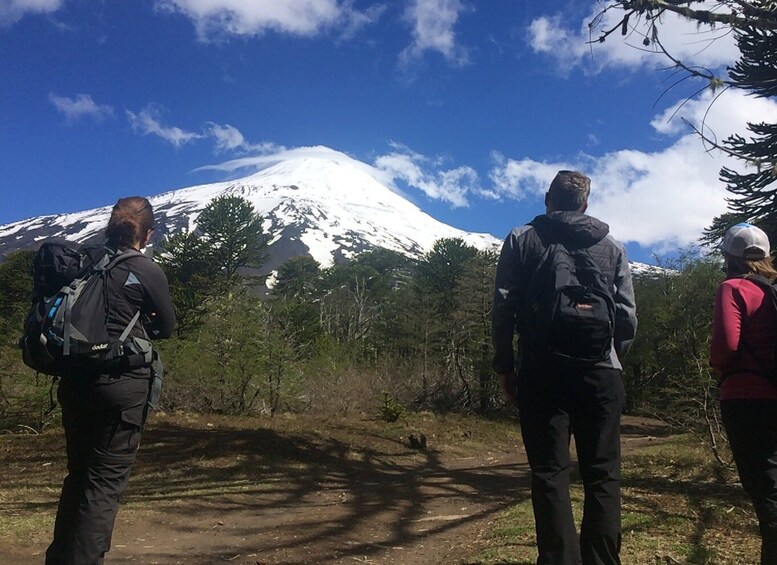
x=318, y=202
x=326, y=205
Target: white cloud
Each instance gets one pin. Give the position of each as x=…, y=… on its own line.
x=717, y=119
x=423, y=173
x=454, y=184
x=433, y=22
x=148, y=122
x=226, y=137
x=254, y=17
x=82, y=106
x=549, y=36
x=11, y=11
x=568, y=42
x=661, y=200
x=357, y=20
x=520, y=179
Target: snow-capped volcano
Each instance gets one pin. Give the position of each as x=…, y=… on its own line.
x=318, y=202
x=314, y=201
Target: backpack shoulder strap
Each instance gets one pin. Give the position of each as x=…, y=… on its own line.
x=108, y=262
x=770, y=287
x=121, y=256
x=760, y=281
x=112, y=258
x=591, y=265
x=125, y=334
x=551, y=244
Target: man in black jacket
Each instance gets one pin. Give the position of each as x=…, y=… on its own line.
x=558, y=399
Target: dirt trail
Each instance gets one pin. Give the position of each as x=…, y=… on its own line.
x=350, y=492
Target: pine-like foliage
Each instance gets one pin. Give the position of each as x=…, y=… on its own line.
x=754, y=189
x=233, y=232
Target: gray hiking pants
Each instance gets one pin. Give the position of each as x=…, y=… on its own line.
x=103, y=418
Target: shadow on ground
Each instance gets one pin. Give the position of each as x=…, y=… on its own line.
x=268, y=496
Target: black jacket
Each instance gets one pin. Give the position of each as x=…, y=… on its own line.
x=139, y=284
x=520, y=258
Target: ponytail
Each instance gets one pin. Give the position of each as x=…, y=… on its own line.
x=131, y=218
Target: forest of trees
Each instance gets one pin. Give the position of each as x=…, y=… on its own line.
x=378, y=335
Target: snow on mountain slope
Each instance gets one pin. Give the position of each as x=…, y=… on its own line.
x=321, y=203
x=315, y=201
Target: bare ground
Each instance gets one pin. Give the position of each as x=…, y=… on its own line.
x=290, y=490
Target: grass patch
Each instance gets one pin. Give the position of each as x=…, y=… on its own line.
x=16, y=526
x=678, y=506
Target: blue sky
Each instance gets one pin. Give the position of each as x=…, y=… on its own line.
x=471, y=107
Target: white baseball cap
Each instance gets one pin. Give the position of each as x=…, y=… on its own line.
x=746, y=241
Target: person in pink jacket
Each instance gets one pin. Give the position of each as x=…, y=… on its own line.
x=742, y=355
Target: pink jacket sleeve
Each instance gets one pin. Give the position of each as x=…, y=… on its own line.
x=726, y=327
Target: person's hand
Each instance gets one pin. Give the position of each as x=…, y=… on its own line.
x=507, y=381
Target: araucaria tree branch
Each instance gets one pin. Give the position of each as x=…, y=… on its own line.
x=762, y=15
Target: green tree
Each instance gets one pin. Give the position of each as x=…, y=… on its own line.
x=755, y=191
x=356, y=299
x=297, y=277
x=294, y=306
x=395, y=268
x=25, y=398
x=441, y=270
x=438, y=281
x=184, y=259
x=472, y=320
x=240, y=362
x=393, y=293
x=667, y=372
x=348, y=301
x=15, y=290
x=232, y=231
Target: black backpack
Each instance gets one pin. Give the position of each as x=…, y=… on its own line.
x=66, y=329
x=569, y=311
x=769, y=365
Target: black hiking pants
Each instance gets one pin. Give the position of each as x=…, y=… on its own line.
x=751, y=426
x=554, y=405
x=103, y=418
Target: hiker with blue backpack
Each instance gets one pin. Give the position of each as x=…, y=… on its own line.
x=94, y=333
x=742, y=353
x=563, y=284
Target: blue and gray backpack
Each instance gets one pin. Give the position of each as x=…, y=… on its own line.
x=66, y=330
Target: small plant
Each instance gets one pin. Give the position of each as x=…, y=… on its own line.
x=391, y=409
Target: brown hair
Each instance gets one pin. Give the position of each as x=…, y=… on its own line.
x=131, y=218
x=569, y=191
x=737, y=266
